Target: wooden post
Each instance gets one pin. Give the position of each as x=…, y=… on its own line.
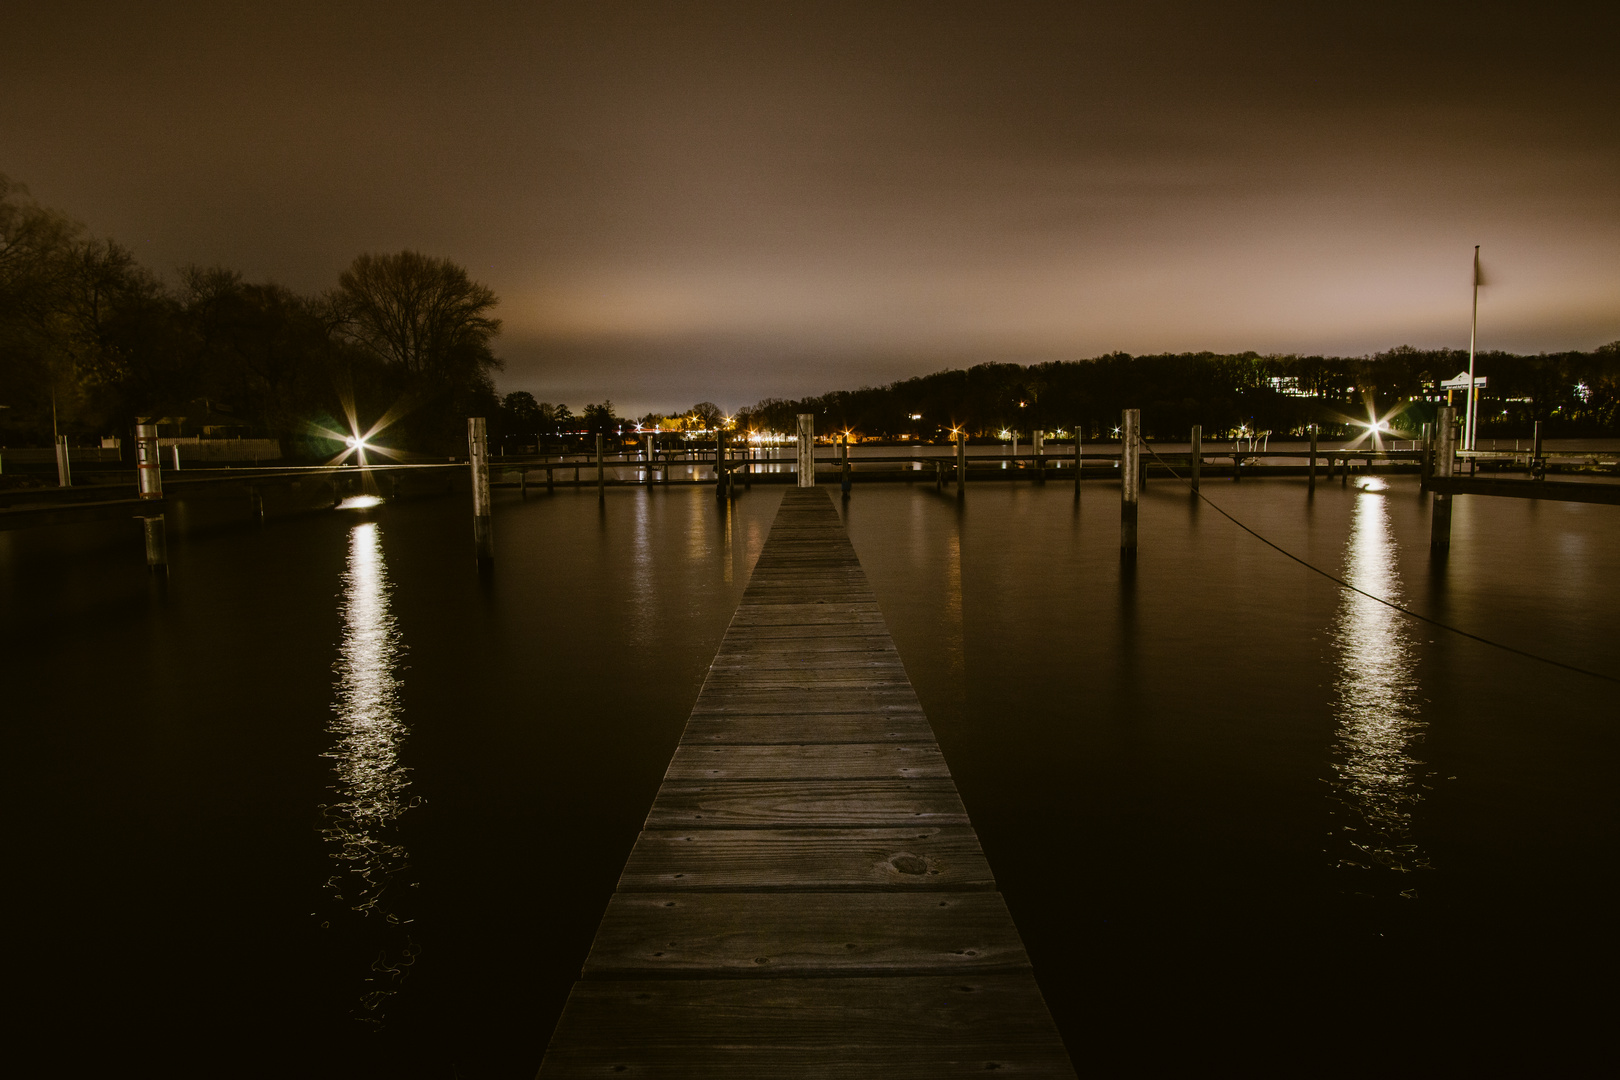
x=64, y=468
x=551, y=481
x=1129, y=477
x=961, y=464
x=176, y=448
x=748, y=465
x=807, y=450
x=1538, y=466
x=1445, y=456
x=1344, y=472
x=478, y=457
x=148, y=462
x=601, y=471
x=652, y=456
x=1038, y=440
x=1196, y=457
x=843, y=455
x=1311, y=469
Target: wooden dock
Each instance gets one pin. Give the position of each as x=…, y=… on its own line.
x=807, y=897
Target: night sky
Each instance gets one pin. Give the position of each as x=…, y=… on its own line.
x=692, y=201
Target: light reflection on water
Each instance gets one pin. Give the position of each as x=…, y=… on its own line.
x=361, y=825
x=1379, y=719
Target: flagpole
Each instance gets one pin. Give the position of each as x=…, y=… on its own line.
x=1473, y=332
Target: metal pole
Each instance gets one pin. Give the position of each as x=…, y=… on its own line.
x=1129, y=478
x=843, y=454
x=601, y=471
x=1197, y=455
x=1445, y=455
x=807, y=450
x=148, y=462
x=1473, y=331
x=478, y=458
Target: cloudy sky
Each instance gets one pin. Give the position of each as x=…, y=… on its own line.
x=720, y=201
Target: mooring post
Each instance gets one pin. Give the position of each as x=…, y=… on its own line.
x=1344, y=473
x=148, y=462
x=720, y=475
x=523, y=483
x=1077, y=437
x=1538, y=467
x=843, y=459
x=1311, y=469
x=478, y=458
x=1196, y=456
x=149, y=483
x=1038, y=441
x=748, y=465
x=256, y=505
x=64, y=469
x=652, y=457
x=176, y=448
x=601, y=471
x=961, y=464
x=1129, y=478
x=1445, y=453
x=807, y=450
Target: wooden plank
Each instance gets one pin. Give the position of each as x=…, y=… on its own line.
x=777, y=934
x=802, y=859
x=849, y=761
x=813, y=728
x=898, y=1028
x=806, y=803
x=825, y=699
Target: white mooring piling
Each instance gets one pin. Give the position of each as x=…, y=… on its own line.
x=64, y=465
x=1130, y=477
x=478, y=455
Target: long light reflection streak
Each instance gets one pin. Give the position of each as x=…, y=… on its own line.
x=371, y=782
x=1379, y=719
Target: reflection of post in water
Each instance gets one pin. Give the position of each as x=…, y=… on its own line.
x=1379, y=721
x=371, y=783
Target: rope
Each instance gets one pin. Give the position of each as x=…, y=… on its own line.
x=1408, y=612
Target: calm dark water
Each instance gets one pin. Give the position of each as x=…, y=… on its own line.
x=331, y=805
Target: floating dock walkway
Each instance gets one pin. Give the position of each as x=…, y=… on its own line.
x=807, y=897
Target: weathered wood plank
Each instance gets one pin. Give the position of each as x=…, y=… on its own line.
x=918, y=1027
x=812, y=728
x=806, y=804
x=809, y=700
x=776, y=934
x=807, y=859
x=840, y=761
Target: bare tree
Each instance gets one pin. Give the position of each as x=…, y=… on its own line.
x=424, y=315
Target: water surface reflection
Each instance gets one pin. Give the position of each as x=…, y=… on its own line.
x=1376, y=703
x=361, y=825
